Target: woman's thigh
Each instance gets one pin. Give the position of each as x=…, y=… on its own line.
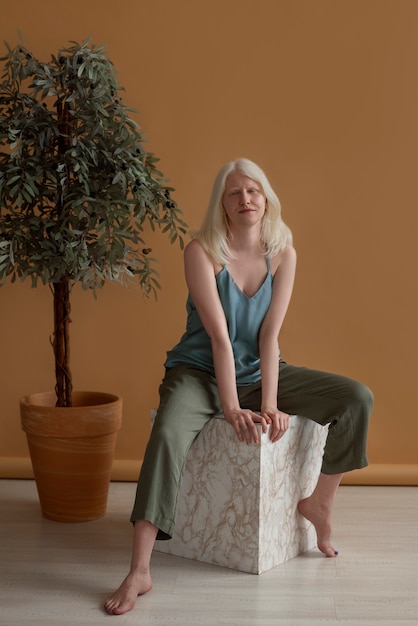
x=188, y=399
x=320, y=396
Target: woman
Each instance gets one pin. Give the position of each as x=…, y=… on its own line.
x=239, y=270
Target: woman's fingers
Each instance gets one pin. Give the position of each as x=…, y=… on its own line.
x=280, y=424
x=244, y=423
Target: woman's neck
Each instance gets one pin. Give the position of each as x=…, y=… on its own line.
x=245, y=242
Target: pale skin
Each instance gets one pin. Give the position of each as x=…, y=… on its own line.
x=245, y=204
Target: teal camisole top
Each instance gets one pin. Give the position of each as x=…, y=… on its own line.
x=244, y=317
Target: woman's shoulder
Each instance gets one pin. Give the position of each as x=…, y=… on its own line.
x=194, y=244
x=194, y=252
x=286, y=255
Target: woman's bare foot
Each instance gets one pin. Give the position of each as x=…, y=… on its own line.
x=124, y=598
x=138, y=581
x=321, y=519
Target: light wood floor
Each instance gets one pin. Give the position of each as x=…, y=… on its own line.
x=60, y=574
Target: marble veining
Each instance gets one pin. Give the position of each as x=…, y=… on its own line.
x=238, y=502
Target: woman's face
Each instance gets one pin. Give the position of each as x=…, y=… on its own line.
x=243, y=200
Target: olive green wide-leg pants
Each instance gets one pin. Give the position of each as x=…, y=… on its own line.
x=189, y=399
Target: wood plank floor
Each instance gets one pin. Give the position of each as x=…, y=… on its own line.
x=60, y=574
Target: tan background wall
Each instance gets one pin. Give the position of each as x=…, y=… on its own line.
x=323, y=95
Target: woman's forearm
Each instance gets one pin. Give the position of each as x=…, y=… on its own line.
x=224, y=365
x=269, y=365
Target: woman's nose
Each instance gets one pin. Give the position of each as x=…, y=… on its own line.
x=243, y=198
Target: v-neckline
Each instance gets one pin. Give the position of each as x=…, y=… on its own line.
x=239, y=288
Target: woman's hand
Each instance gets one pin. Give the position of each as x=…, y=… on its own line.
x=244, y=422
x=279, y=423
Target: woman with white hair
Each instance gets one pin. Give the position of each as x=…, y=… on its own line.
x=239, y=270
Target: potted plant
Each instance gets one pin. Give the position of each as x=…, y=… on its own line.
x=77, y=191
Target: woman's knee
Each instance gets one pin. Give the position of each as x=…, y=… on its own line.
x=362, y=396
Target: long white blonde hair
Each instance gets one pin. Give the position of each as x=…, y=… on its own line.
x=214, y=232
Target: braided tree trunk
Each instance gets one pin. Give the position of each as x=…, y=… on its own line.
x=61, y=343
x=61, y=289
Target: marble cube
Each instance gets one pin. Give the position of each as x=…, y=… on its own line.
x=238, y=502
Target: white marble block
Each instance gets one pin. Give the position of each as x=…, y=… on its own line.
x=238, y=502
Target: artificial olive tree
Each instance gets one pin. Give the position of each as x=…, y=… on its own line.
x=77, y=187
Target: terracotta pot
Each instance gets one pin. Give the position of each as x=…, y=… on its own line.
x=72, y=451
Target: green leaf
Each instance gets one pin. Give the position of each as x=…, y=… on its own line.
x=12, y=180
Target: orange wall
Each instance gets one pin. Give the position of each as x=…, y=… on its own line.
x=323, y=95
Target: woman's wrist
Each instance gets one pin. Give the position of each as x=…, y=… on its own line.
x=268, y=406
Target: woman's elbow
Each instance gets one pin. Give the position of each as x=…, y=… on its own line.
x=219, y=341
